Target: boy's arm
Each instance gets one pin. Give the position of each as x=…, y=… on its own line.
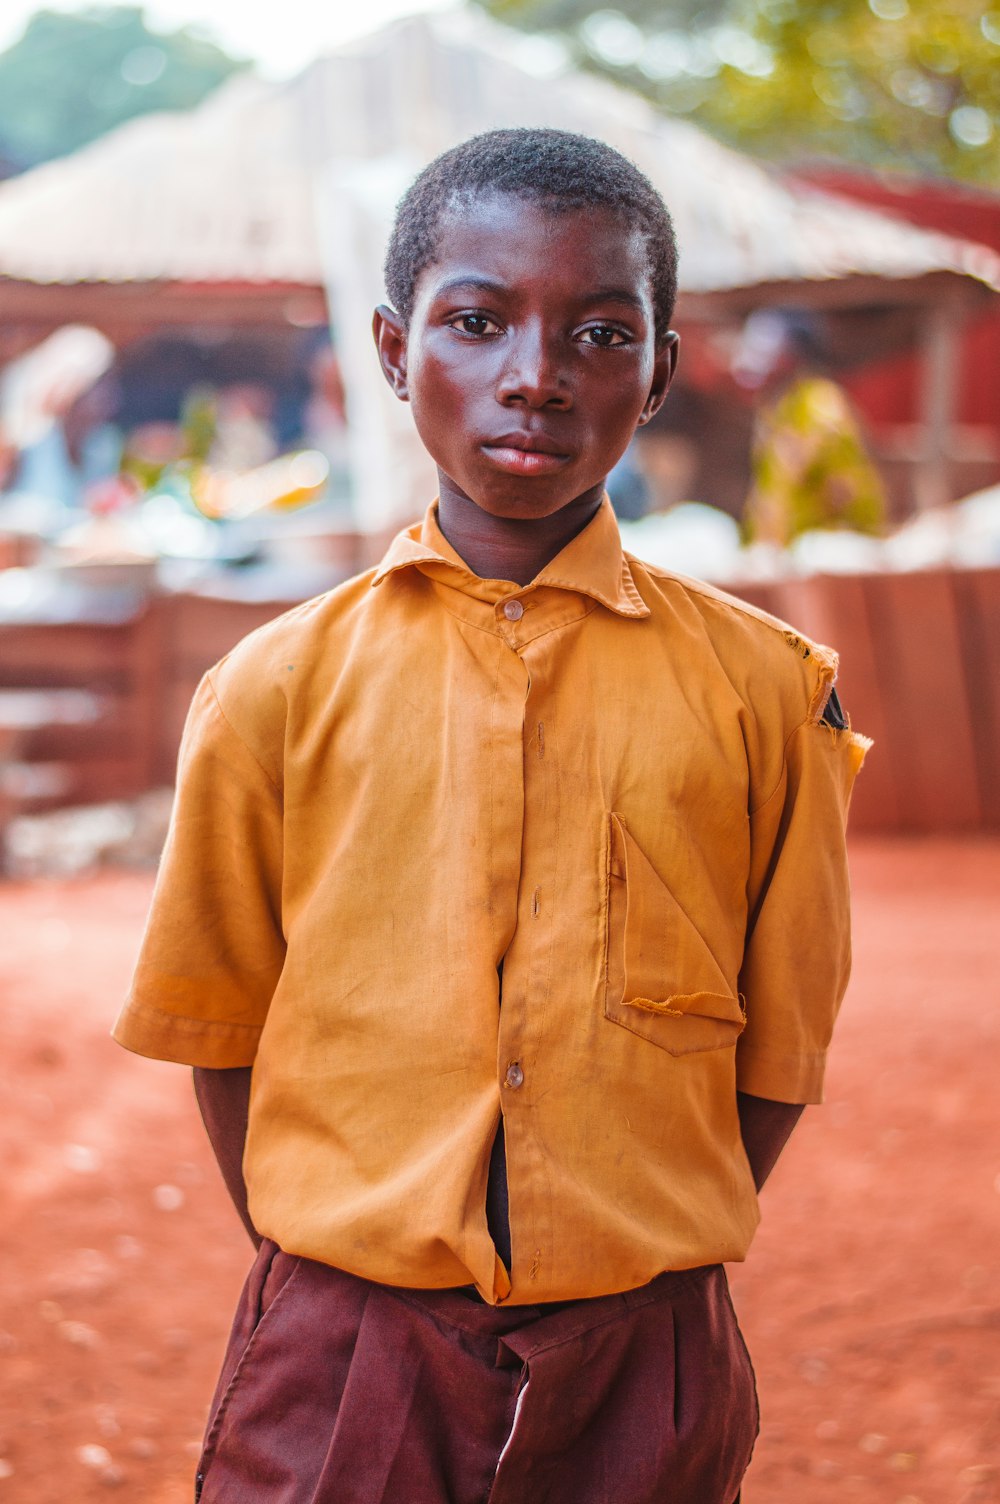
x=765, y=1128
x=224, y=1099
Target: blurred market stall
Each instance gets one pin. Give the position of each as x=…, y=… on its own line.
x=240, y=215
x=248, y=462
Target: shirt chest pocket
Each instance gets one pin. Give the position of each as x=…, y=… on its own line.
x=662, y=981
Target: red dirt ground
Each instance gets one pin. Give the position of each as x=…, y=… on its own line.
x=870, y=1301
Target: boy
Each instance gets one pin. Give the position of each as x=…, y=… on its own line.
x=515, y=871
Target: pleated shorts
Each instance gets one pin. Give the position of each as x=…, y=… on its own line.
x=335, y=1390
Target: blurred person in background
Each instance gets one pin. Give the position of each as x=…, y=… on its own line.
x=810, y=466
x=54, y=409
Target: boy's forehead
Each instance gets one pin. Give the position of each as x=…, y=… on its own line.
x=507, y=239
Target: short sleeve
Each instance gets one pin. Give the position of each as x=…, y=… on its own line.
x=213, y=948
x=798, y=952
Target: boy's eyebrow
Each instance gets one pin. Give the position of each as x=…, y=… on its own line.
x=488, y=285
x=616, y=295
x=480, y=284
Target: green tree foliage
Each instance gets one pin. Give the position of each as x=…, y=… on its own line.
x=72, y=76
x=889, y=83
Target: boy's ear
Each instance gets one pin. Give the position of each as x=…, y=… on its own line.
x=389, y=333
x=664, y=366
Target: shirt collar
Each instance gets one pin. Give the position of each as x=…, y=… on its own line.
x=592, y=564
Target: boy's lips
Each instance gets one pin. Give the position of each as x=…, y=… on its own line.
x=525, y=454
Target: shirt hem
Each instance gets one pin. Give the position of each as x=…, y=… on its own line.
x=185, y=1041
x=797, y=1080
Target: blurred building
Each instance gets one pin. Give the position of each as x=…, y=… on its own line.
x=249, y=218
x=890, y=388
x=212, y=251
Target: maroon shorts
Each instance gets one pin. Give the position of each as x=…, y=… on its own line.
x=338, y=1391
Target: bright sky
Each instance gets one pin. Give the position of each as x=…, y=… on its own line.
x=282, y=37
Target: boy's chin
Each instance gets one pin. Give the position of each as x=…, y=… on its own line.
x=524, y=503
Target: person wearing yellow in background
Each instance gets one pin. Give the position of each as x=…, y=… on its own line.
x=811, y=469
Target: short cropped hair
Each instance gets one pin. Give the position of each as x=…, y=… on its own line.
x=557, y=169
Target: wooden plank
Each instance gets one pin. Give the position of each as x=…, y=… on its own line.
x=114, y=735
x=914, y=620
x=65, y=655
x=105, y=779
x=121, y=663
x=35, y=709
x=204, y=628
x=36, y=785
x=977, y=592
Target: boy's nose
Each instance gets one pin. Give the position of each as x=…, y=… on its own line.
x=534, y=375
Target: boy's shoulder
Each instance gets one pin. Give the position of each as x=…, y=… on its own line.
x=278, y=663
x=755, y=649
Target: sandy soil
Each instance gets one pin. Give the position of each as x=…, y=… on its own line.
x=870, y=1301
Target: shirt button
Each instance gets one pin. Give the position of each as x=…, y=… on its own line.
x=513, y=610
x=514, y=1076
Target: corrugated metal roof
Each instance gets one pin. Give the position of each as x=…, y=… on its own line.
x=226, y=192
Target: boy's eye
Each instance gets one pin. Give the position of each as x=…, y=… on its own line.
x=475, y=323
x=604, y=335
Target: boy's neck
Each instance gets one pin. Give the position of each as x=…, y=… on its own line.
x=504, y=548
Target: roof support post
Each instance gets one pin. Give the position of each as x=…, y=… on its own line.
x=932, y=485
x=392, y=476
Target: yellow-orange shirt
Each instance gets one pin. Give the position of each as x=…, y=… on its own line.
x=613, y=779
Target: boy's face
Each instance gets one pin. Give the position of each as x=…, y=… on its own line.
x=530, y=357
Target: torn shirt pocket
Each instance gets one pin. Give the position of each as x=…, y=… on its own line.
x=662, y=981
